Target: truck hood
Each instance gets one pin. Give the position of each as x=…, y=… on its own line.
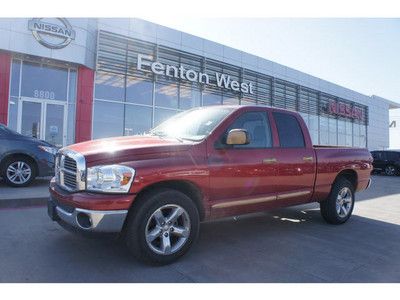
x=117, y=149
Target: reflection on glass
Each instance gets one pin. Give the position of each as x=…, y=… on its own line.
x=166, y=95
x=139, y=91
x=211, y=99
x=161, y=115
x=137, y=119
x=189, y=97
x=247, y=102
x=15, y=72
x=108, y=119
x=13, y=112
x=72, y=86
x=332, y=132
x=109, y=86
x=54, y=124
x=71, y=124
x=43, y=81
x=230, y=100
x=31, y=115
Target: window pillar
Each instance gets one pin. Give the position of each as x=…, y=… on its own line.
x=5, y=67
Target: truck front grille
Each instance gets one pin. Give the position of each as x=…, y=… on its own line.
x=70, y=170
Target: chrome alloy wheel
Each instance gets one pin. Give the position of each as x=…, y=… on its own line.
x=390, y=170
x=344, y=201
x=19, y=172
x=167, y=229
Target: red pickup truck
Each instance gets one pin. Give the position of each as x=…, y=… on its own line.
x=202, y=164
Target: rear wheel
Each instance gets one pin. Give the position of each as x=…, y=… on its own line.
x=162, y=227
x=390, y=170
x=18, y=171
x=338, y=208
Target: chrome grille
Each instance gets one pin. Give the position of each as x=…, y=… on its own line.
x=70, y=170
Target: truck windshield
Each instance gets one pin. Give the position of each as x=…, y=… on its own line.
x=195, y=124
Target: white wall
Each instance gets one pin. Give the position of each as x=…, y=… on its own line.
x=394, y=130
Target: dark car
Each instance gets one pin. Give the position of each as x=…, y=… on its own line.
x=387, y=161
x=23, y=158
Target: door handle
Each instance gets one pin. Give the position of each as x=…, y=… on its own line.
x=308, y=158
x=271, y=160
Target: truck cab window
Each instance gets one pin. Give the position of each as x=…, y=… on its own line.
x=289, y=131
x=257, y=125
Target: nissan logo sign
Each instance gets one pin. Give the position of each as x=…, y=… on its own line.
x=54, y=35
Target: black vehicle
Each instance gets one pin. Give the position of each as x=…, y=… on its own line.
x=23, y=158
x=387, y=161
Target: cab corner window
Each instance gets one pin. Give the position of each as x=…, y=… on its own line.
x=289, y=131
x=257, y=126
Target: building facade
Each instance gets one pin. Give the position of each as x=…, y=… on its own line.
x=68, y=81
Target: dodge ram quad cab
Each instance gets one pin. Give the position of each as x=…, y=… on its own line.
x=154, y=190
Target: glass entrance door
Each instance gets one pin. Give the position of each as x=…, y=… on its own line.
x=43, y=119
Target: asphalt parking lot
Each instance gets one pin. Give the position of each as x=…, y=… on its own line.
x=287, y=245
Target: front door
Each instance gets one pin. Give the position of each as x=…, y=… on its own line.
x=43, y=119
x=242, y=176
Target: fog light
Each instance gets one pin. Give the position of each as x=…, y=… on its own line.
x=83, y=220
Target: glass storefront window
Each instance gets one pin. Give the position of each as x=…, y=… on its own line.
x=109, y=87
x=211, y=99
x=72, y=86
x=323, y=130
x=189, y=97
x=139, y=91
x=247, y=102
x=230, y=100
x=332, y=132
x=137, y=119
x=166, y=95
x=15, y=75
x=108, y=119
x=161, y=115
x=12, y=113
x=44, y=81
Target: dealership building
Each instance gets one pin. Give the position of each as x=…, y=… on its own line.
x=71, y=80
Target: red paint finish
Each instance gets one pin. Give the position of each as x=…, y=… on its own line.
x=84, y=104
x=5, y=67
x=230, y=181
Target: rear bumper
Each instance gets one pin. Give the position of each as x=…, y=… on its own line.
x=110, y=221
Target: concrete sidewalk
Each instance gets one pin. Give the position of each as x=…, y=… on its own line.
x=35, y=194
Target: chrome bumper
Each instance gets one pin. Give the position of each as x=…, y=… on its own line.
x=89, y=220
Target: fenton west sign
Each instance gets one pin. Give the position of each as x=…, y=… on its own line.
x=145, y=63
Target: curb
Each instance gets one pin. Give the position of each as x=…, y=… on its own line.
x=24, y=202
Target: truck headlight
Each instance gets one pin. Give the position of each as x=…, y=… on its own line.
x=109, y=178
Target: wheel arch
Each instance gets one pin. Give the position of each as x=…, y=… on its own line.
x=348, y=174
x=8, y=156
x=187, y=187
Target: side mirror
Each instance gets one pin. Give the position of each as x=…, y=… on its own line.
x=238, y=137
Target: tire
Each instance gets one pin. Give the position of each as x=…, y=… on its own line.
x=390, y=170
x=18, y=171
x=147, y=237
x=338, y=207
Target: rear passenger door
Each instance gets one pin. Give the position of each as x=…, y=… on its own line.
x=296, y=161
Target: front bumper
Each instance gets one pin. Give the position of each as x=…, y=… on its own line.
x=102, y=221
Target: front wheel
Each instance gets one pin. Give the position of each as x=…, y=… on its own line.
x=162, y=227
x=338, y=208
x=390, y=170
x=18, y=171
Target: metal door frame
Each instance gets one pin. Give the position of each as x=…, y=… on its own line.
x=43, y=114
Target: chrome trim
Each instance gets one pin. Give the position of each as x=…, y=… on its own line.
x=80, y=174
x=291, y=195
x=369, y=183
x=101, y=221
x=244, y=202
